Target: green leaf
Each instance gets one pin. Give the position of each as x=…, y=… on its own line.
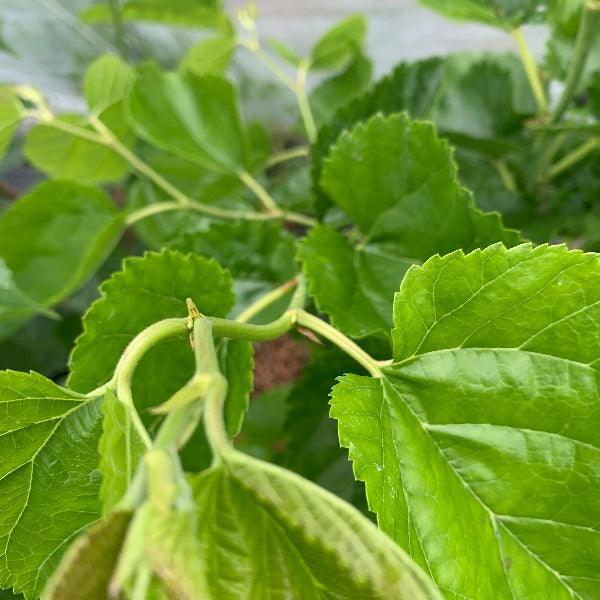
x=594, y=95
x=283, y=51
x=65, y=155
x=15, y=306
x=340, y=44
x=107, y=81
x=505, y=14
x=10, y=118
x=259, y=255
x=329, y=95
x=120, y=450
x=315, y=544
x=195, y=118
x=86, y=568
x=210, y=56
x=148, y=289
x=396, y=179
x=414, y=87
x=486, y=426
x=49, y=483
x=54, y=238
x=188, y=13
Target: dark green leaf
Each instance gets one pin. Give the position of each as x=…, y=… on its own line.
x=340, y=44
x=56, y=236
x=594, y=94
x=49, y=483
x=396, y=179
x=195, y=118
x=485, y=428
x=259, y=254
x=86, y=569
x=107, y=81
x=315, y=545
x=327, y=97
x=65, y=155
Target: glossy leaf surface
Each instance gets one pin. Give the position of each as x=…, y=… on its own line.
x=486, y=424
x=396, y=179
x=49, y=443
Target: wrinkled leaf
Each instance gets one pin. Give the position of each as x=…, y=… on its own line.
x=396, y=179
x=49, y=483
x=485, y=427
x=315, y=545
x=55, y=237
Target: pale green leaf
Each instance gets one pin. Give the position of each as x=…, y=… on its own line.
x=210, y=56
x=54, y=238
x=120, y=451
x=49, y=483
x=65, y=155
x=86, y=569
x=107, y=81
x=396, y=179
x=505, y=14
x=15, y=306
x=195, y=118
x=289, y=538
x=283, y=51
x=486, y=427
x=188, y=13
x=10, y=118
x=340, y=44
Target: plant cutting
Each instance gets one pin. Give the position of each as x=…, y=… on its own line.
x=442, y=439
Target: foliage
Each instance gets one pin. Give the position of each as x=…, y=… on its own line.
x=460, y=358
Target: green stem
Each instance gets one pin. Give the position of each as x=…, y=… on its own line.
x=573, y=157
x=207, y=362
x=256, y=333
x=259, y=191
x=580, y=54
x=531, y=70
x=320, y=327
x=505, y=174
x=129, y=360
x=285, y=155
x=303, y=103
x=264, y=301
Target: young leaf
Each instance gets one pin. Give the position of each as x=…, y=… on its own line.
x=120, y=450
x=210, y=56
x=65, y=155
x=49, y=483
x=283, y=51
x=107, y=81
x=396, y=179
x=505, y=14
x=195, y=118
x=56, y=236
x=259, y=255
x=10, y=118
x=15, y=306
x=340, y=44
x=485, y=428
x=86, y=568
x=315, y=544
